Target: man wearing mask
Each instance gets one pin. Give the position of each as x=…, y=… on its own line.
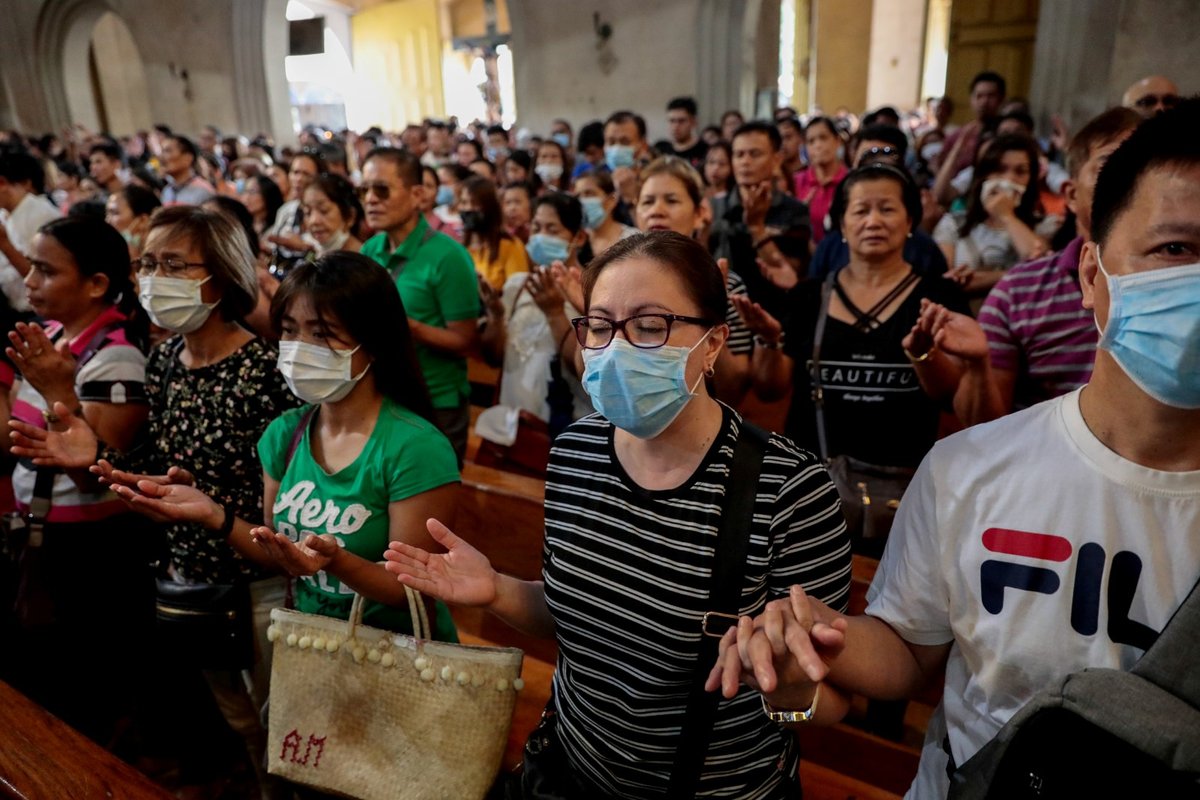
x=685, y=140
x=1152, y=95
x=987, y=95
x=1063, y=535
x=436, y=280
x=626, y=152
x=1035, y=339
x=26, y=211
x=560, y=131
x=184, y=185
x=760, y=230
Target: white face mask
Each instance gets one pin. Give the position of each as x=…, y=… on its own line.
x=317, y=374
x=174, y=303
x=992, y=185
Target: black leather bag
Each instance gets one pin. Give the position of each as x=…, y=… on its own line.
x=870, y=495
x=206, y=624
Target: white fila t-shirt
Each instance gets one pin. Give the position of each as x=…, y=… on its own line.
x=1038, y=552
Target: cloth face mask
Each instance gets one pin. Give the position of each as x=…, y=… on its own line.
x=1153, y=331
x=317, y=374
x=174, y=303
x=639, y=391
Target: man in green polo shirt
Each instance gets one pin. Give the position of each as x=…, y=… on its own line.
x=436, y=279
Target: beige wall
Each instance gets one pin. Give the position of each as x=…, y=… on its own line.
x=841, y=53
x=1088, y=53
x=123, y=79
x=897, y=46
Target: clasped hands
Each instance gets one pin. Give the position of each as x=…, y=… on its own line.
x=782, y=653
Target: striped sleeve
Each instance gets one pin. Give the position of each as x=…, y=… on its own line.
x=995, y=319
x=116, y=374
x=741, y=341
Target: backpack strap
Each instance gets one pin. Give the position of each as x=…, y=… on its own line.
x=724, y=600
x=1170, y=663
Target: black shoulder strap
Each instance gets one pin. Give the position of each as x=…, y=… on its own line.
x=1170, y=663
x=814, y=366
x=724, y=600
x=298, y=434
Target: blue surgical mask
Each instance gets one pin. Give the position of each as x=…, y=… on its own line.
x=544, y=249
x=444, y=197
x=639, y=391
x=618, y=155
x=1153, y=331
x=563, y=139
x=593, y=212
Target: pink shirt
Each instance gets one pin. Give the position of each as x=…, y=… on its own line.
x=817, y=196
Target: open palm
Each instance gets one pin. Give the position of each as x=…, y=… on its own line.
x=172, y=502
x=74, y=448
x=461, y=576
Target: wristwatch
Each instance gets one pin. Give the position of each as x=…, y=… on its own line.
x=785, y=717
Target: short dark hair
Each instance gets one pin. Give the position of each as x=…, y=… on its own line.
x=1023, y=117
x=876, y=171
x=763, y=127
x=19, y=166
x=878, y=114
x=341, y=193
x=827, y=122
x=1099, y=131
x=791, y=122
x=568, y=208
x=408, y=166
x=496, y=130
x=687, y=104
x=591, y=135
x=471, y=143
x=141, y=201
x=187, y=146
x=364, y=300
x=988, y=76
x=621, y=117
x=885, y=133
x=110, y=150
x=689, y=260
x=1166, y=140
x=315, y=156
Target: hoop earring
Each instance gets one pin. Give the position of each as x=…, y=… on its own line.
x=709, y=372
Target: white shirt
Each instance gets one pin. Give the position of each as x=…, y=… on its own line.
x=1014, y=542
x=22, y=223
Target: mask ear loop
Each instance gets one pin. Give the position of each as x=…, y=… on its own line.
x=706, y=373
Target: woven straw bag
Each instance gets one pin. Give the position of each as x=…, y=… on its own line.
x=367, y=713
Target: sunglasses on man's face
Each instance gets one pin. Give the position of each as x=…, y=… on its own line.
x=381, y=190
x=1153, y=100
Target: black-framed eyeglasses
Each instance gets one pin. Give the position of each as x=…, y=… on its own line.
x=172, y=267
x=1152, y=100
x=381, y=190
x=648, y=331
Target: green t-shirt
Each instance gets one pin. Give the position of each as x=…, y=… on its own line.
x=437, y=283
x=404, y=456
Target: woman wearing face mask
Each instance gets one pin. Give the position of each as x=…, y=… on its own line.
x=332, y=215
x=1000, y=227
x=497, y=255
x=128, y=210
x=516, y=201
x=85, y=362
x=816, y=185
x=598, y=197
x=368, y=447
x=212, y=389
x=881, y=385
x=634, y=502
x=446, y=199
x=552, y=165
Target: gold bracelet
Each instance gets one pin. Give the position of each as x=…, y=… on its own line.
x=784, y=717
x=918, y=359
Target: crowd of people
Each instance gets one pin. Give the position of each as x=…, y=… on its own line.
x=238, y=378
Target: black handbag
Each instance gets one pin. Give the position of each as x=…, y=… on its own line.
x=870, y=493
x=206, y=624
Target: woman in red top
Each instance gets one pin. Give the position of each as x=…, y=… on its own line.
x=817, y=184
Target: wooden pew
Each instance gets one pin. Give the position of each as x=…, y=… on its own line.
x=42, y=757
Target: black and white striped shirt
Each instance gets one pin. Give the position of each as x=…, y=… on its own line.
x=627, y=574
x=741, y=341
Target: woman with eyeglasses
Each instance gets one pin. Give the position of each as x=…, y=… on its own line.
x=635, y=500
x=85, y=360
x=212, y=388
x=872, y=397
